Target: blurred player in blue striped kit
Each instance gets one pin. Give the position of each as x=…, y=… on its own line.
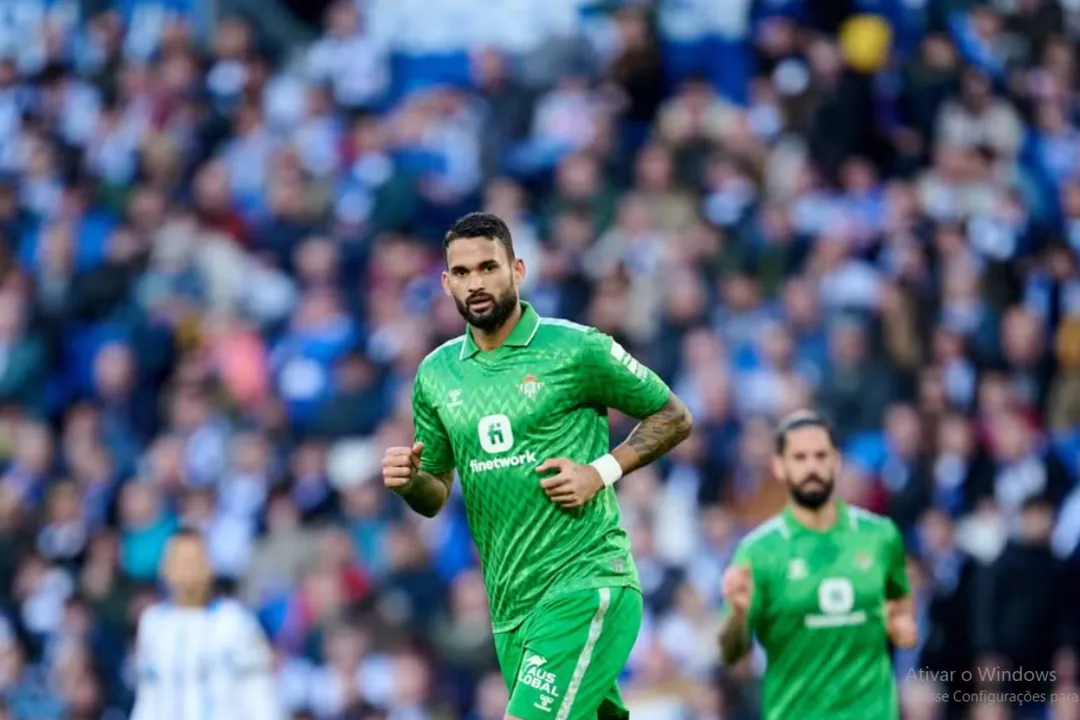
x=200, y=657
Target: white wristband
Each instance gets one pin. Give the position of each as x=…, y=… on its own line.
x=609, y=468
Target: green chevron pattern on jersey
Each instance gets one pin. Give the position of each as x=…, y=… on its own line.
x=495, y=416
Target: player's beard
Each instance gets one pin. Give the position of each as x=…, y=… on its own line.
x=811, y=497
x=502, y=307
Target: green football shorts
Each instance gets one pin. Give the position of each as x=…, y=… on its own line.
x=563, y=663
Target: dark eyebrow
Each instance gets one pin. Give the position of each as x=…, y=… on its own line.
x=491, y=262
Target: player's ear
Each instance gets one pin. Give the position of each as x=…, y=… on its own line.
x=519, y=271
x=446, y=283
x=778, y=468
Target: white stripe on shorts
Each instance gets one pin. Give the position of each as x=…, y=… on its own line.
x=595, y=628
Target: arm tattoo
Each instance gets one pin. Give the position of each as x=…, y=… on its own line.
x=427, y=493
x=660, y=432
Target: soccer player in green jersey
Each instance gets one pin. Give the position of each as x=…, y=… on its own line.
x=823, y=587
x=518, y=406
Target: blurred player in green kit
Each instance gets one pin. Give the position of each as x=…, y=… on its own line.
x=823, y=587
x=518, y=407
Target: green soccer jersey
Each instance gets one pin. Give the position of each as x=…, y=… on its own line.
x=495, y=416
x=818, y=610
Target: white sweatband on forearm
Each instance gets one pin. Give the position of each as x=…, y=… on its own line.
x=609, y=468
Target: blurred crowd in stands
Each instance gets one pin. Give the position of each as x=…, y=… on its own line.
x=219, y=269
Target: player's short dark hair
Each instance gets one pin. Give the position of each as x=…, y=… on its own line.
x=481, y=225
x=802, y=419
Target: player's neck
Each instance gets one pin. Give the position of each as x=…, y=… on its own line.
x=818, y=520
x=488, y=341
x=194, y=598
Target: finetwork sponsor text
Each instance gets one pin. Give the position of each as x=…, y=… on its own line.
x=525, y=458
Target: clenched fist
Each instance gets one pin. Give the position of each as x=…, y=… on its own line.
x=399, y=466
x=901, y=626
x=738, y=589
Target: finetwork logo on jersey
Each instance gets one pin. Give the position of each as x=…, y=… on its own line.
x=836, y=599
x=496, y=435
x=525, y=458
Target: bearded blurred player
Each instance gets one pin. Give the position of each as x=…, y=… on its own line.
x=199, y=657
x=518, y=406
x=823, y=588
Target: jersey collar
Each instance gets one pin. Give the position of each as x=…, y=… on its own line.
x=843, y=519
x=520, y=336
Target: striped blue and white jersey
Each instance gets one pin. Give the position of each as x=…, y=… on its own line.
x=210, y=663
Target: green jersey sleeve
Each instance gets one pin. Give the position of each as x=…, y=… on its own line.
x=611, y=377
x=896, y=578
x=438, y=455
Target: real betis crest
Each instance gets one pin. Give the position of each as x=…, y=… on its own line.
x=529, y=386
